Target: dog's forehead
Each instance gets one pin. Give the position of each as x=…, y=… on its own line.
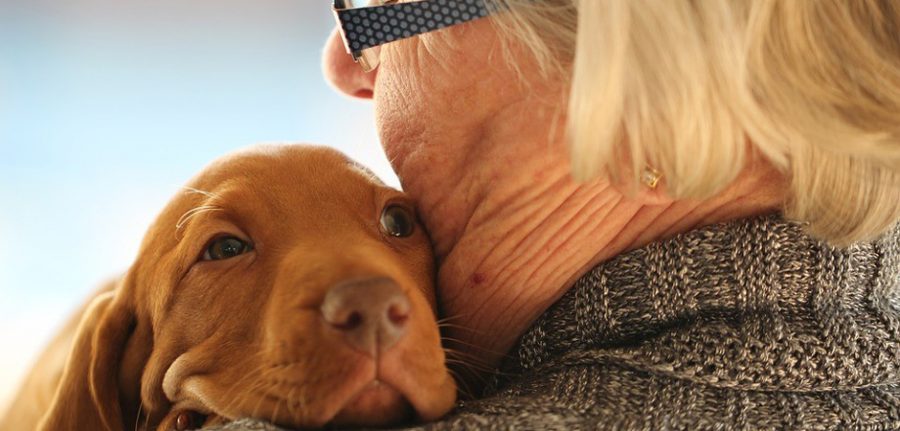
x=279, y=183
x=272, y=166
x=365, y=172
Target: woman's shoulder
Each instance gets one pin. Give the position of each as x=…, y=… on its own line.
x=593, y=393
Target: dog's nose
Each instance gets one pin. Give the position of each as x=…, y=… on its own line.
x=371, y=314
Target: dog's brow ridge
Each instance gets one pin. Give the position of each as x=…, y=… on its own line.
x=189, y=214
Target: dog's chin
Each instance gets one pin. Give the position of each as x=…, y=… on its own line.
x=376, y=404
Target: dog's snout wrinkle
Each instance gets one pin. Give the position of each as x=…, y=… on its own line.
x=370, y=314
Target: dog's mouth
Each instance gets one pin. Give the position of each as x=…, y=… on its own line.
x=386, y=391
x=344, y=388
x=369, y=395
x=375, y=404
x=363, y=403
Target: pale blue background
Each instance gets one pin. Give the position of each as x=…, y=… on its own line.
x=107, y=106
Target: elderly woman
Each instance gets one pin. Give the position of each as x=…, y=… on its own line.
x=680, y=215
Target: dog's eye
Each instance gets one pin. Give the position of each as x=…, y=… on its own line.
x=397, y=221
x=189, y=420
x=226, y=247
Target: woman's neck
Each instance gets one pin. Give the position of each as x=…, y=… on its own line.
x=512, y=230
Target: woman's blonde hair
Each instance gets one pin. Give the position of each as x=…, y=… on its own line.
x=683, y=85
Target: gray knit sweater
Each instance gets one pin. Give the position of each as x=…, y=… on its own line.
x=746, y=325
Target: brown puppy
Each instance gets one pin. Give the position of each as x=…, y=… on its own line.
x=287, y=284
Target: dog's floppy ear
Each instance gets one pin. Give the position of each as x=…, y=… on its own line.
x=88, y=395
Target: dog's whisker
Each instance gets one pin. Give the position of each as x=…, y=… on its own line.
x=274, y=385
x=190, y=189
x=263, y=390
x=447, y=319
x=260, y=396
x=451, y=325
x=275, y=411
x=470, y=346
x=460, y=353
x=290, y=403
x=262, y=386
x=146, y=419
x=295, y=402
x=468, y=358
x=470, y=365
x=462, y=385
x=137, y=418
x=464, y=390
x=193, y=212
x=231, y=390
x=304, y=404
x=239, y=386
x=474, y=376
x=460, y=328
x=473, y=363
x=244, y=395
x=456, y=364
x=255, y=358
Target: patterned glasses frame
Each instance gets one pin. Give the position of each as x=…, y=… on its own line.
x=365, y=25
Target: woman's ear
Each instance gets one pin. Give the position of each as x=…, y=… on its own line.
x=88, y=396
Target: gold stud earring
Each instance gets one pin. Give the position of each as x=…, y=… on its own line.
x=650, y=177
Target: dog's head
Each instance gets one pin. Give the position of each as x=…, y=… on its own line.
x=287, y=284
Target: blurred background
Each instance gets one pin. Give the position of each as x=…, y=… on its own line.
x=108, y=106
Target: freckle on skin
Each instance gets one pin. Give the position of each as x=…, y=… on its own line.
x=478, y=278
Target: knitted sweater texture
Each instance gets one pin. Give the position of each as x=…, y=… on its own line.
x=746, y=325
